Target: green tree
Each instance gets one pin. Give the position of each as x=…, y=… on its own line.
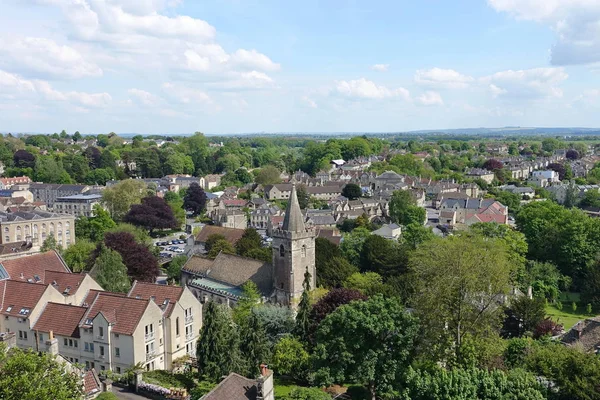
x=50, y=170
x=302, y=328
x=216, y=357
x=290, y=358
x=450, y=273
x=352, y=191
x=404, y=209
x=176, y=203
x=99, y=176
x=278, y=321
x=249, y=241
x=49, y=244
x=368, y=283
x=529, y=313
x=220, y=246
x=370, y=343
x=268, y=175
x=253, y=346
x=100, y=223
x=303, y=196
x=174, y=268
x=110, y=272
x=305, y=393
x=383, y=256
x=178, y=163
x=414, y=234
x=352, y=244
x=249, y=299
x=77, y=256
x=332, y=268
x=28, y=374
x=120, y=197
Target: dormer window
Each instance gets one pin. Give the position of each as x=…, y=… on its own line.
x=9, y=309
x=89, y=321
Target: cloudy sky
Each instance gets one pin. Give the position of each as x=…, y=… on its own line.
x=234, y=66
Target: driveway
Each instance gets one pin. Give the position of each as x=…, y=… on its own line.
x=125, y=395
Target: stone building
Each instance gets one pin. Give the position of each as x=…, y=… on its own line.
x=34, y=227
x=79, y=205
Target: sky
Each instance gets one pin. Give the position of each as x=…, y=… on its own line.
x=237, y=66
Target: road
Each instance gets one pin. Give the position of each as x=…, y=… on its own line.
x=125, y=395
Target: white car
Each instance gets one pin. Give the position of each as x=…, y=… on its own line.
x=178, y=250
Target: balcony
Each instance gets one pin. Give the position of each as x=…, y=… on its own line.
x=189, y=319
x=189, y=336
x=149, y=336
x=150, y=355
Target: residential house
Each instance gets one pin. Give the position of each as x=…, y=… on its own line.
x=585, y=333
x=212, y=180
x=544, y=178
x=259, y=217
x=280, y=191
x=479, y=173
x=237, y=387
x=389, y=231
x=7, y=183
x=236, y=219
x=525, y=192
x=471, y=211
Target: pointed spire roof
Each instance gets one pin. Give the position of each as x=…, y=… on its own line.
x=293, y=221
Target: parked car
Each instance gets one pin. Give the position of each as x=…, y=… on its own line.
x=163, y=254
x=179, y=250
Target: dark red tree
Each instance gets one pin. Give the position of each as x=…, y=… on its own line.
x=558, y=168
x=24, y=159
x=547, y=327
x=328, y=304
x=493, y=164
x=195, y=199
x=153, y=213
x=94, y=157
x=140, y=262
x=572, y=154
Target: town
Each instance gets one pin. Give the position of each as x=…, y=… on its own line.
x=250, y=265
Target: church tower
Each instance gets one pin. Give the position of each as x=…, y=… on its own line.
x=293, y=255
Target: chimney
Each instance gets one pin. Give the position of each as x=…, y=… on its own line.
x=52, y=344
x=264, y=384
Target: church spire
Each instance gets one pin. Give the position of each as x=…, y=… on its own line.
x=293, y=220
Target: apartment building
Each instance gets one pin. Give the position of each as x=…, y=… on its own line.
x=35, y=226
x=49, y=192
x=79, y=205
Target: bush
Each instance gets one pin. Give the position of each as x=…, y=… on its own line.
x=167, y=379
x=107, y=396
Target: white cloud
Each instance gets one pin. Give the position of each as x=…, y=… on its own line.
x=309, y=102
x=366, y=89
x=143, y=97
x=251, y=59
x=442, y=78
x=380, y=67
x=529, y=83
x=244, y=81
x=184, y=94
x=576, y=24
x=19, y=87
x=430, y=98
x=41, y=56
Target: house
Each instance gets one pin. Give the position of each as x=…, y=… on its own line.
x=234, y=218
x=479, y=173
x=280, y=191
x=544, y=178
x=259, y=217
x=333, y=235
x=386, y=179
x=212, y=180
x=585, y=333
x=7, y=183
x=389, y=231
x=237, y=387
x=525, y=192
x=328, y=192
x=471, y=211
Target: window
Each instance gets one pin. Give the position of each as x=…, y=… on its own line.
x=102, y=367
x=281, y=251
x=116, y=335
x=75, y=343
x=86, y=346
x=303, y=251
x=92, y=347
x=23, y=335
x=41, y=337
x=87, y=365
x=100, y=331
x=66, y=342
x=70, y=342
x=101, y=351
x=117, y=352
x=177, y=326
x=118, y=370
x=7, y=239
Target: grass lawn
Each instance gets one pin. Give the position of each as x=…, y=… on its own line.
x=168, y=380
x=567, y=316
x=283, y=386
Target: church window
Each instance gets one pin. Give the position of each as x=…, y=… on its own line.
x=281, y=251
x=303, y=251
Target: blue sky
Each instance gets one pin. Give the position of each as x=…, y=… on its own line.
x=234, y=66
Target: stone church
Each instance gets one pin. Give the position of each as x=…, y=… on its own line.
x=293, y=250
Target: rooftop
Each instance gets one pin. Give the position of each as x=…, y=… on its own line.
x=163, y=295
x=29, y=267
x=123, y=312
x=62, y=319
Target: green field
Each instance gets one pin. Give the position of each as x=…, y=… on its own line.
x=567, y=316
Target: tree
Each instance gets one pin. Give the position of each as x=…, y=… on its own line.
x=49, y=243
x=528, y=312
x=302, y=328
x=50, y=170
x=290, y=358
x=110, y=272
x=153, y=213
x=23, y=159
x=559, y=168
x=572, y=154
x=249, y=241
x=591, y=287
x=404, y=209
x=77, y=136
x=120, y=197
x=140, y=262
x=178, y=163
x=253, y=346
x=215, y=356
x=221, y=246
x=306, y=393
x=100, y=223
x=332, y=268
x=481, y=384
x=277, y=320
x=249, y=299
x=211, y=240
x=450, y=273
x=93, y=155
x=368, y=283
x=174, y=268
x=303, y=196
x=493, y=165
x=99, y=176
x=366, y=342
x=329, y=303
x=591, y=198
x=383, y=256
x=351, y=246
x=77, y=256
x=268, y=175
x=352, y=191
x=414, y=234
x=28, y=374
x=195, y=199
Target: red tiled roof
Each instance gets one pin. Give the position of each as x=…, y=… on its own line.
x=232, y=235
x=235, y=202
x=124, y=312
x=62, y=319
x=18, y=295
x=161, y=293
x=91, y=382
x=63, y=280
x=37, y=264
